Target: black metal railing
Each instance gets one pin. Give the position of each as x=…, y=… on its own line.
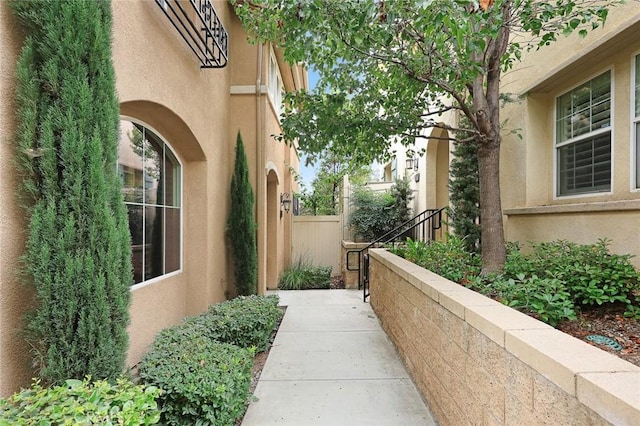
x=426, y=226
x=200, y=27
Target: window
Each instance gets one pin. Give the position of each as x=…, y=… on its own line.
x=636, y=114
x=583, y=138
x=275, y=84
x=151, y=178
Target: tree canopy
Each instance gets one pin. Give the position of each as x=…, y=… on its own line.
x=389, y=69
x=323, y=197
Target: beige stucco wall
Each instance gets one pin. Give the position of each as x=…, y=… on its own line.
x=160, y=84
x=477, y=361
x=527, y=165
x=13, y=296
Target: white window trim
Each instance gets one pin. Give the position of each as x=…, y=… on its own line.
x=182, y=204
x=634, y=120
x=557, y=196
x=275, y=98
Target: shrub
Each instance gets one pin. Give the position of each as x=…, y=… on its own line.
x=448, y=259
x=78, y=248
x=547, y=298
x=246, y=321
x=591, y=274
x=241, y=226
x=82, y=403
x=377, y=213
x=552, y=281
x=302, y=275
x=203, y=382
x=464, y=189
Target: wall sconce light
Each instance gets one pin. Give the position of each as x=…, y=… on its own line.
x=285, y=201
x=412, y=163
x=409, y=163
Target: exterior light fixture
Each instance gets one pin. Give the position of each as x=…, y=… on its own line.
x=416, y=163
x=409, y=163
x=285, y=201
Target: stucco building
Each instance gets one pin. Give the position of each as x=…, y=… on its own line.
x=575, y=174
x=179, y=122
x=574, y=170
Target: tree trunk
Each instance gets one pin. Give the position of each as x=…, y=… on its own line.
x=487, y=109
x=491, y=224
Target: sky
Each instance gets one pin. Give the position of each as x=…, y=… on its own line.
x=308, y=173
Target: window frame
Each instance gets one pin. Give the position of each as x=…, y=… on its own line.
x=634, y=131
x=276, y=86
x=584, y=137
x=180, y=207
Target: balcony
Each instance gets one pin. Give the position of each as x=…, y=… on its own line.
x=199, y=25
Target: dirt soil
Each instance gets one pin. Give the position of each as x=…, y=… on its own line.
x=611, y=323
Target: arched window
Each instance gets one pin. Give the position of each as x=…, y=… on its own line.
x=151, y=176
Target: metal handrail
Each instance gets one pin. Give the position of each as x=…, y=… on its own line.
x=392, y=236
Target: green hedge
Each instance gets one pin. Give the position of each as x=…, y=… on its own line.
x=82, y=403
x=246, y=321
x=203, y=365
x=203, y=382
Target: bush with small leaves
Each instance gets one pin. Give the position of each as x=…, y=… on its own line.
x=246, y=321
x=547, y=298
x=203, y=382
x=591, y=274
x=82, y=402
x=449, y=258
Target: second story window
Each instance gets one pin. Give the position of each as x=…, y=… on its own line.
x=275, y=85
x=583, y=138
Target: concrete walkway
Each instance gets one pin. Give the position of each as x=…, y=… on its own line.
x=332, y=364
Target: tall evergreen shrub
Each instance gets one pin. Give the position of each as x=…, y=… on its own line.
x=78, y=253
x=464, y=187
x=242, y=226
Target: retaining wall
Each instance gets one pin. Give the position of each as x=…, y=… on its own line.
x=477, y=361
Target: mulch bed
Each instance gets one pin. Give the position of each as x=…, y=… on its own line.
x=608, y=322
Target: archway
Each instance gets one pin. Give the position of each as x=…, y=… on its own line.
x=271, y=254
x=437, y=182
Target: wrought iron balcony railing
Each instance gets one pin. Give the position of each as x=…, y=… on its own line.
x=201, y=28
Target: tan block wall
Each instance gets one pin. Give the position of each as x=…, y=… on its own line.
x=350, y=277
x=477, y=361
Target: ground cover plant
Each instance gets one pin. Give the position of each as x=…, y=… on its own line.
x=82, y=402
x=303, y=275
x=204, y=365
x=580, y=289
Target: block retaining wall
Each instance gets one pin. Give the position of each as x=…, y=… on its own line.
x=476, y=361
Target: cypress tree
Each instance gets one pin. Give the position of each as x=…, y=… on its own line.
x=242, y=226
x=464, y=187
x=78, y=253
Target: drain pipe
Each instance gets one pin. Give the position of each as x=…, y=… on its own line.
x=260, y=182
